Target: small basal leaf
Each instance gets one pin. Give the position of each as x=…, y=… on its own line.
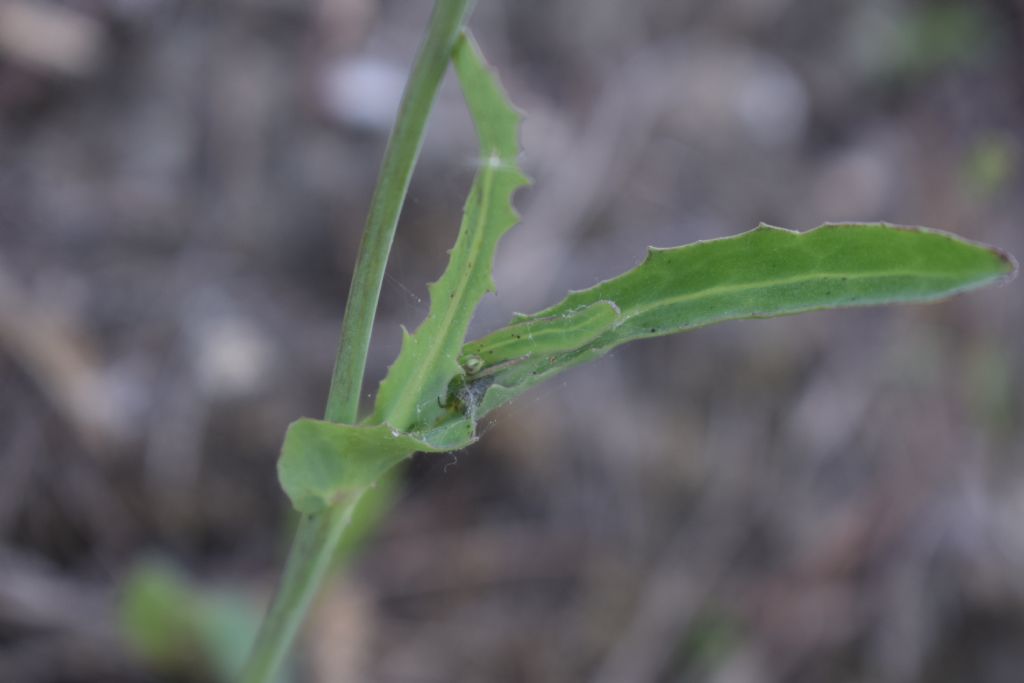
x=417, y=381
x=180, y=627
x=762, y=273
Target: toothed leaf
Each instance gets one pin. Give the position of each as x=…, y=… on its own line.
x=417, y=381
x=759, y=274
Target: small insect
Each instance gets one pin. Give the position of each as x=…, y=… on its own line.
x=465, y=397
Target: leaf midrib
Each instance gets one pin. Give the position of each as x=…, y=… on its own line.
x=796, y=279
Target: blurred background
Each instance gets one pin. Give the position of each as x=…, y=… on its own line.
x=836, y=497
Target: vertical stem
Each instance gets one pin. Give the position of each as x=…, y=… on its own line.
x=317, y=535
x=392, y=184
x=310, y=556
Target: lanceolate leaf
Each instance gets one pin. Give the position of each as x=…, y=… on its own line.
x=417, y=381
x=762, y=273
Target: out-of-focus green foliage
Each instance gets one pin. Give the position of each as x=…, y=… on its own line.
x=939, y=35
x=991, y=162
x=179, y=627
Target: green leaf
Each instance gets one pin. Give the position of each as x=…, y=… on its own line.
x=564, y=331
x=323, y=463
x=417, y=381
x=762, y=273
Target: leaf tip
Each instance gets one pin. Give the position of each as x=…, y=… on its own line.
x=1006, y=262
x=1010, y=263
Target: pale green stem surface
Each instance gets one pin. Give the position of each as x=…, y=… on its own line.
x=392, y=184
x=312, y=549
x=317, y=535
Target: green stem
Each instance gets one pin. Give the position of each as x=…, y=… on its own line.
x=312, y=548
x=317, y=535
x=392, y=184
